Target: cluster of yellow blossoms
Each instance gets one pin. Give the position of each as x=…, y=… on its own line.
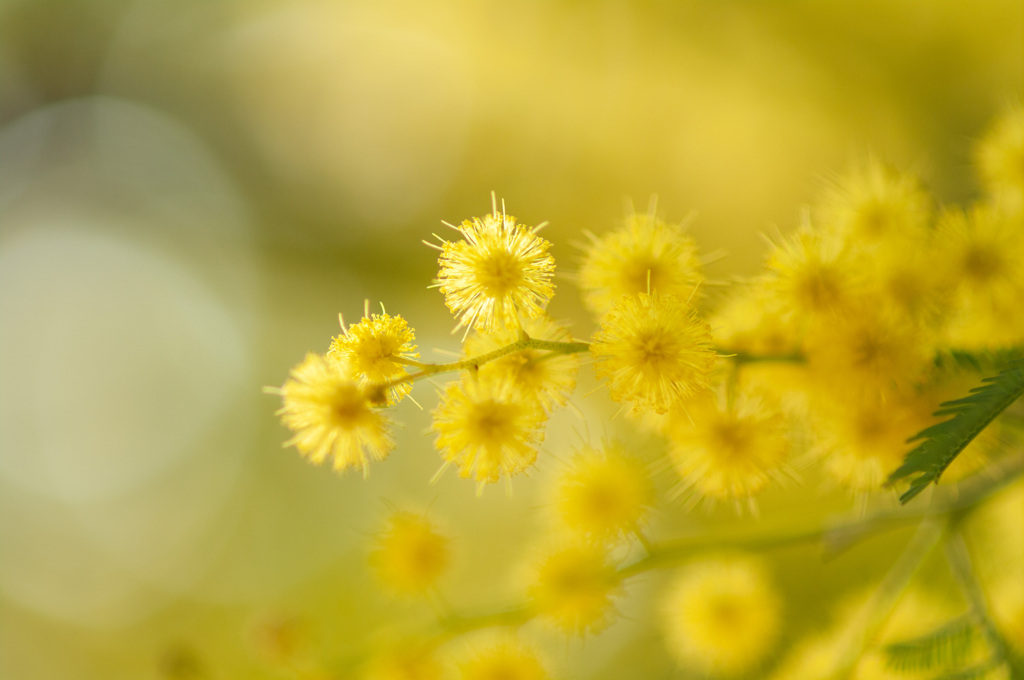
x=825, y=364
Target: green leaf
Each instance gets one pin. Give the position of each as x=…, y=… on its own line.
x=980, y=671
x=941, y=443
x=944, y=647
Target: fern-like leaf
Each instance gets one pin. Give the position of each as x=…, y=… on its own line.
x=982, y=671
x=941, y=443
x=946, y=647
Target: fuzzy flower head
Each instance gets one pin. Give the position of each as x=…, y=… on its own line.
x=410, y=659
x=374, y=349
x=573, y=589
x=811, y=275
x=331, y=416
x=499, y=270
x=653, y=351
x=535, y=374
x=504, y=660
x=604, y=494
x=485, y=428
x=872, y=349
x=729, y=452
x=751, y=321
x=875, y=203
x=643, y=256
x=722, y=616
x=410, y=555
x=902, y=278
x=1000, y=157
x=981, y=253
x=861, y=440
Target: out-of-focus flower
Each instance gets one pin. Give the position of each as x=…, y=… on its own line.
x=504, y=660
x=980, y=253
x=646, y=255
x=871, y=349
x=811, y=275
x=410, y=555
x=876, y=203
x=331, y=416
x=603, y=494
x=407, y=660
x=729, y=452
x=573, y=589
x=1000, y=157
x=722, y=616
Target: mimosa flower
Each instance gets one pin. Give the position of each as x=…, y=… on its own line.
x=373, y=350
x=729, y=452
x=410, y=660
x=644, y=256
x=1000, y=157
x=410, y=555
x=487, y=430
x=810, y=273
x=751, y=321
x=861, y=440
x=653, y=351
x=574, y=587
x=872, y=349
x=505, y=660
x=604, y=494
x=981, y=252
x=535, y=374
x=875, y=203
x=499, y=270
x=722, y=617
x=331, y=416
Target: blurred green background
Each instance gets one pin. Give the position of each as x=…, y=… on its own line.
x=192, y=190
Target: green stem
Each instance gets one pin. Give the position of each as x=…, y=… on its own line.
x=522, y=345
x=745, y=358
x=835, y=536
x=959, y=560
x=877, y=610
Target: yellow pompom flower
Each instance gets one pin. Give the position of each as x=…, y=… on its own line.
x=812, y=276
x=410, y=555
x=644, y=256
x=722, y=616
x=901, y=277
x=374, y=349
x=499, y=270
x=331, y=416
x=873, y=348
x=573, y=589
x=537, y=375
x=752, y=322
x=981, y=252
x=604, y=494
x=875, y=203
x=485, y=428
x=653, y=351
x=1000, y=157
x=729, y=452
x=860, y=441
x=409, y=660
x=504, y=660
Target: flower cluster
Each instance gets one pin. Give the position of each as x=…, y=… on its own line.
x=878, y=308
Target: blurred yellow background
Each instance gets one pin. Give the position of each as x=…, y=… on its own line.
x=191, y=191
